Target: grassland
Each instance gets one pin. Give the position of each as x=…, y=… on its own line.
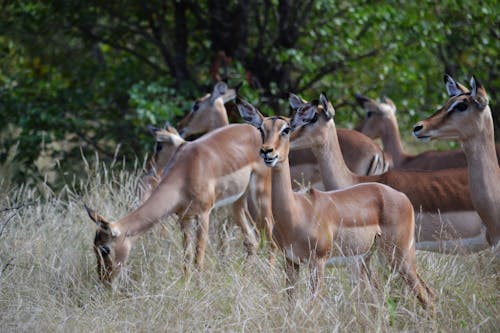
x=48, y=279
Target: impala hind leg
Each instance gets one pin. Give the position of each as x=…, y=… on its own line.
x=246, y=224
x=317, y=270
x=201, y=239
x=292, y=271
x=405, y=261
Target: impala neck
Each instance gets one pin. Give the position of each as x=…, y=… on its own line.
x=220, y=118
x=391, y=140
x=481, y=156
x=162, y=202
x=334, y=171
x=282, y=194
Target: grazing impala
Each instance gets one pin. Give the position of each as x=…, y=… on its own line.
x=363, y=156
x=167, y=140
x=466, y=116
x=216, y=170
x=312, y=226
x=445, y=215
x=380, y=122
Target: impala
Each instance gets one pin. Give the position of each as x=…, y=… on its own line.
x=362, y=155
x=216, y=170
x=167, y=140
x=446, y=219
x=466, y=116
x=380, y=122
x=312, y=226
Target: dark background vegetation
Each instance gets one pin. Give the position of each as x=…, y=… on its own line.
x=94, y=73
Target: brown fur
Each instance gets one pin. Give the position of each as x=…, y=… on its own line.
x=473, y=126
x=380, y=122
x=433, y=194
x=313, y=226
x=200, y=175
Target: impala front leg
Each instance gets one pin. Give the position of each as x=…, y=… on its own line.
x=202, y=238
x=187, y=241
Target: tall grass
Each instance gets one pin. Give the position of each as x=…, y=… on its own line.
x=48, y=279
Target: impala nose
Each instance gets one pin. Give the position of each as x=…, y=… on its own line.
x=417, y=128
x=265, y=150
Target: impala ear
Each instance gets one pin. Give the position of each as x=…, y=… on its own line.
x=169, y=128
x=249, y=113
x=169, y=138
x=101, y=222
x=478, y=93
x=305, y=115
x=219, y=90
x=295, y=101
x=389, y=102
x=153, y=130
x=453, y=87
x=327, y=106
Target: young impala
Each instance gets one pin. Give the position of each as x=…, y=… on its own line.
x=380, y=122
x=466, y=116
x=363, y=156
x=446, y=219
x=219, y=169
x=312, y=226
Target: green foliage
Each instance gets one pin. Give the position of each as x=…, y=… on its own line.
x=96, y=73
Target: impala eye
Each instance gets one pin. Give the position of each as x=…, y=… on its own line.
x=286, y=131
x=369, y=114
x=195, y=107
x=461, y=106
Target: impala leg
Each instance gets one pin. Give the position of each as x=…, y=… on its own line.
x=201, y=239
x=317, y=269
x=406, y=263
x=292, y=274
x=245, y=222
x=187, y=241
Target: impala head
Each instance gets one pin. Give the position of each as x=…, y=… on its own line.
x=167, y=140
x=375, y=112
x=207, y=112
x=275, y=132
x=461, y=117
x=311, y=121
x=110, y=247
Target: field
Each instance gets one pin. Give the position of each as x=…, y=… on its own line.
x=49, y=283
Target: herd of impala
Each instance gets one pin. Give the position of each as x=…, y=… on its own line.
x=318, y=192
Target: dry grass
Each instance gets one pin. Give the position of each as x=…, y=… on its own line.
x=48, y=278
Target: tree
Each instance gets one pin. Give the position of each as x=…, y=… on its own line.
x=95, y=73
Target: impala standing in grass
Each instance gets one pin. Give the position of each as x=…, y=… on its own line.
x=313, y=225
x=446, y=219
x=219, y=169
x=466, y=116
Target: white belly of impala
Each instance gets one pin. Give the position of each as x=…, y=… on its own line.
x=231, y=187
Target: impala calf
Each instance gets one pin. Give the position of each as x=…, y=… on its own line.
x=380, y=122
x=466, y=116
x=445, y=217
x=312, y=226
x=219, y=169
